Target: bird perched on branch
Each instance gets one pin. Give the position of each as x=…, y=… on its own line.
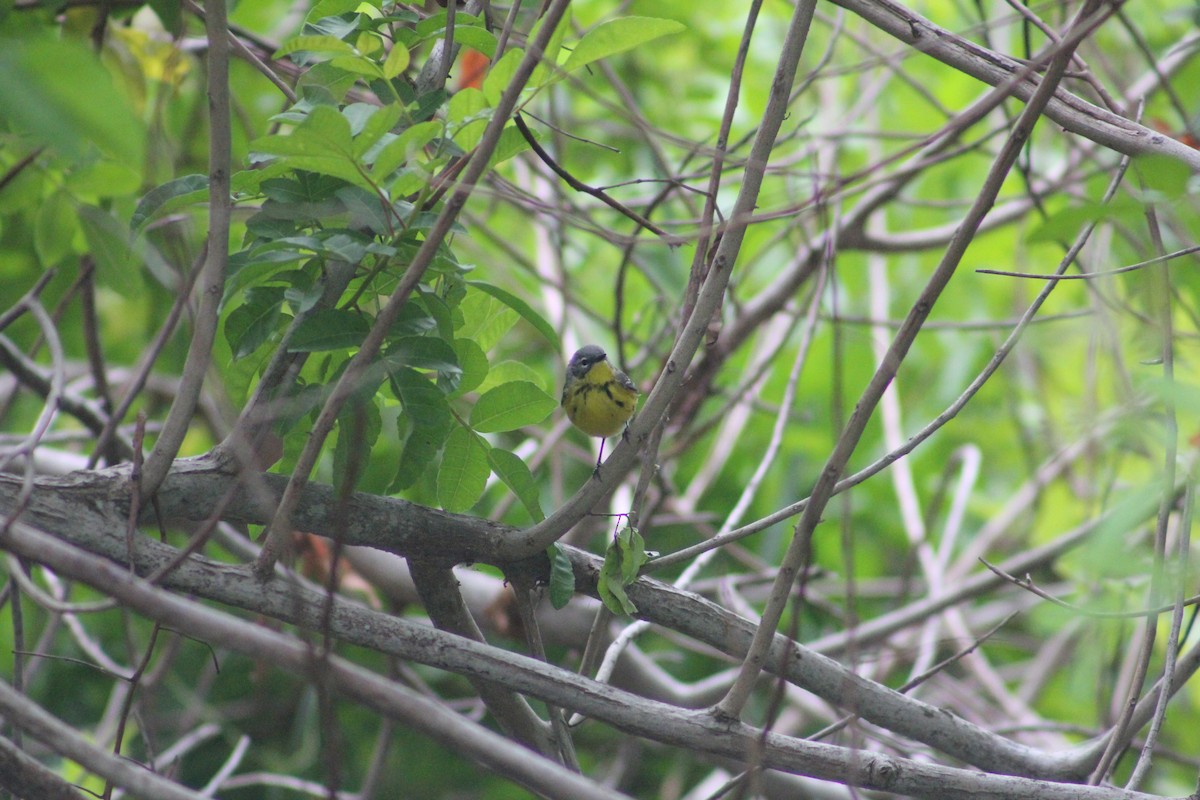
x=598, y=398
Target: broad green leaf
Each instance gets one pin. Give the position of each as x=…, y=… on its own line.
x=103, y=178
x=515, y=474
x=464, y=471
x=368, y=43
x=302, y=292
x=412, y=319
x=396, y=62
x=322, y=144
x=1162, y=176
x=440, y=311
x=422, y=427
x=509, y=370
x=609, y=585
x=249, y=325
x=119, y=258
x=623, y=559
x=617, y=36
x=521, y=307
x=329, y=329
x=511, y=143
x=359, y=425
x=421, y=444
x=469, y=113
x=428, y=104
x=404, y=147
x=562, y=577
x=633, y=553
x=546, y=70
x=474, y=363
x=54, y=227
x=511, y=406
x=365, y=210
x=476, y=38
x=315, y=45
x=108, y=243
x=422, y=352
x=358, y=65
x=435, y=24
x=1065, y=224
x=60, y=94
x=168, y=197
x=485, y=319
x=343, y=245
x=331, y=8
x=304, y=188
x=378, y=124
x=500, y=75
x=419, y=397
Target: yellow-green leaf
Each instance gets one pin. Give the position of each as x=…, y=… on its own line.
x=511, y=406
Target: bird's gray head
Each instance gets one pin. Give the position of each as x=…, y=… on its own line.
x=584, y=358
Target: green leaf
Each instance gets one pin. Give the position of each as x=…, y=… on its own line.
x=562, y=577
x=59, y=93
x=331, y=8
x=423, y=352
x=422, y=427
x=617, y=36
x=1065, y=224
x=316, y=46
x=464, y=471
x=515, y=474
x=401, y=149
x=359, y=425
x=546, y=71
x=511, y=143
x=526, y=311
x=168, y=197
x=511, y=406
x=633, y=553
x=474, y=363
x=419, y=397
x=108, y=242
x=1162, y=176
x=500, y=75
x=378, y=124
x=623, y=559
x=469, y=113
x=419, y=448
x=358, y=65
x=485, y=319
x=103, y=178
x=329, y=329
x=396, y=62
x=509, y=370
x=476, y=38
x=412, y=319
x=321, y=144
x=610, y=588
x=253, y=322
x=435, y=24
x=54, y=227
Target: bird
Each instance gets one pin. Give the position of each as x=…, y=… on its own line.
x=598, y=398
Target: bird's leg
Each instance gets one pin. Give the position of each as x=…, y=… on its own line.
x=596, y=471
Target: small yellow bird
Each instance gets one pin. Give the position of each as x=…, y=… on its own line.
x=598, y=399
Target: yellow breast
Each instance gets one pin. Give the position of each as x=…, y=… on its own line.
x=600, y=403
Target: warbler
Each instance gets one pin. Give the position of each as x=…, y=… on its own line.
x=598, y=399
